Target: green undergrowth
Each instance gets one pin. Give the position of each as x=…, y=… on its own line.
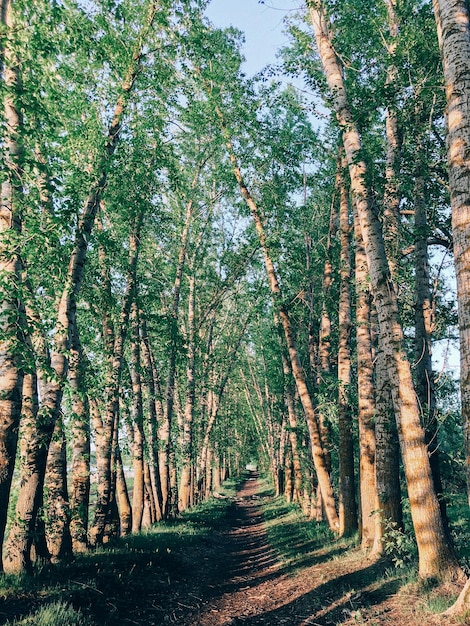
x=97, y=588
x=301, y=543
x=298, y=541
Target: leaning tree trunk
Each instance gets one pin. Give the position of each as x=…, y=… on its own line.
x=318, y=452
x=436, y=557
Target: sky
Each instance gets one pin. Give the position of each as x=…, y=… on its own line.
x=262, y=23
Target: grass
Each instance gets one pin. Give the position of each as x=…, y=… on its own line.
x=296, y=539
x=300, y=543
x=136, y=579
x=55, y=614
x=97, y=588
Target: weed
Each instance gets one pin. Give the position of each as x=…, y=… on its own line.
x=398, y=545
x=54, y=614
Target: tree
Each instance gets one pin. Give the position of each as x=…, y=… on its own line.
x=11, y=370
x=436, y=557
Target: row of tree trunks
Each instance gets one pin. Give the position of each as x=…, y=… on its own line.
x=51, y=387
x=436, y=557
x=108, y=422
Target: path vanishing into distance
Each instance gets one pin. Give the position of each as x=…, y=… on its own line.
x=238, y=579
x=216, y=566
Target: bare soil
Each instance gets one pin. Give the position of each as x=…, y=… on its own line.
x=239, y=581
x=230, y=575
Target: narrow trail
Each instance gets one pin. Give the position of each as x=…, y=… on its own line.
x=250, y=569
x=222, y=571
x=240, y=582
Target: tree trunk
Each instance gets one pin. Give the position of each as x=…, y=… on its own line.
x=424, y=323
x=387, y=462
x=187, y=435
x=11, y=314
x=324, y=342
x=165, y=429
x=17, y=552
x=59, y=540
x=155, y=414
x=347, y=491
x=452, y=18
x=366, y=395
x=436, y=557
x=80, y=480
x=137, y=419
x=122, y=495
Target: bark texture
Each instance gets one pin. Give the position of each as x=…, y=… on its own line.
x=452, y=18
x=436, y=557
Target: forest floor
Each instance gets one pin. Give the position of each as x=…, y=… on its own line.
x=243, y=560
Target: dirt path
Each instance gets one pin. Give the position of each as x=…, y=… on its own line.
x=249, y=568
x=218, y=569
x=242, y=583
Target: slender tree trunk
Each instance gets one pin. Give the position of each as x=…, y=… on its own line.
x=155, y=413
x=80, y=480
x=366, y=395
x=436, y=557
x=424, y=323
x=347, y=491
x=387, y=463
x=11, y=373
x=324, y=343
x=122, y=495
x=150, y=511
x=165, y=429
x=187, y=436
x=295, y=465
x=137, y=417
x=218, y=382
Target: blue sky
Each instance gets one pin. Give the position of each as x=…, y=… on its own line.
x=261, y=23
